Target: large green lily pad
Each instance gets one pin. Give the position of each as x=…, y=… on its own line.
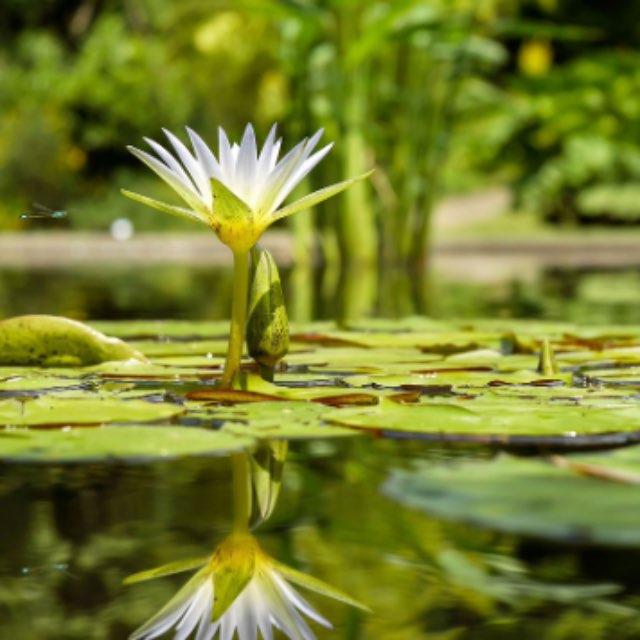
x=585, y=499
x=104, y=444
x=499, y=420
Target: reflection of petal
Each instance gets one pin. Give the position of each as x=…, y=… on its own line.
x=268, y=601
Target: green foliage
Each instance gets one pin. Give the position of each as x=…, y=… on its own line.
x=573, y=138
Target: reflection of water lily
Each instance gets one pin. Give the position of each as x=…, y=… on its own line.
x=238, y=194
x=239, y=590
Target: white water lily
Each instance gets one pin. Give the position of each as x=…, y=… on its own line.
x=239, y=591
x=238, y=193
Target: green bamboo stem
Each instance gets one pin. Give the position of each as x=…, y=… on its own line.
x=238, y=318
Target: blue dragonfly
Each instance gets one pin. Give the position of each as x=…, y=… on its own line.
x=40, y=211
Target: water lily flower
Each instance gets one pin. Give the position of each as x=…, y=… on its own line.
x=238, y=193
x=239, y=590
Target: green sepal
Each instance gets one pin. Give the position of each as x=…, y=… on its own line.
x=318, y=196
x=234, y=568
x=163, y=206
x=313, y=584
x=226, y=205
x=166, y=570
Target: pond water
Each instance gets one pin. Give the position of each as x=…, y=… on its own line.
x=330, y=507
x=577, y=294
x=71, y=535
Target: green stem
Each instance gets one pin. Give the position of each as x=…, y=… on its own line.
x=241, y=492
x=238, y=318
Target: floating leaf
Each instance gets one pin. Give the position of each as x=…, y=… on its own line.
x=74, y=410
x=497, y=420
x=53, y=341
x=281, y=420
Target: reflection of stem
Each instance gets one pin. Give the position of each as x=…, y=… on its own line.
x=238, y=317
x=241, y=493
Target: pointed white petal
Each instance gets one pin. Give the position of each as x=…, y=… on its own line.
x=196, y=171
x=194, y=613
x=298, y=601
x=279, y=176
x=247, y=163
x=267, y=147
x=205, y=156
x=299, y=175
x=227, y=163
x=206, y=628
x=168, y=159
x=284, y=614
x=171, y=612
x=314, y=139
x=275, y=153
x=185, y=190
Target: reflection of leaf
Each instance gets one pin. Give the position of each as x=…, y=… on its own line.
x=530, y=497
x=130, y=444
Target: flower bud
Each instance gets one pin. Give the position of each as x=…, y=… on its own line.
x=267, y=324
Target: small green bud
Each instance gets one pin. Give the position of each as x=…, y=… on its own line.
x=267, y=325
x=547, y=364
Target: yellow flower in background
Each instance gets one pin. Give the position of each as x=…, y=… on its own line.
x=239, y=590
x=535, y=57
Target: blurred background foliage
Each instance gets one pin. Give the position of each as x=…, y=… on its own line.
x=438, y=95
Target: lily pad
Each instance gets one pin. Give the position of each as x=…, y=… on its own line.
x=532, y=497
x=104, y=444
x=281, y=420
x=82, y=410
x=498, y=420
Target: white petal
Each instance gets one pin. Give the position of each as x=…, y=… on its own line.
x=186, y=191
x=297, y=600
x=227, y=163
x=197, y=172
x=207, y=629
x=195, y=612
x=247, y=164
x=168, y=159
x=314, y=139
x=205, y=156
x=296, y=178
x=275, y=153
x=279, y=176
x=267, y=148
x=284, y=613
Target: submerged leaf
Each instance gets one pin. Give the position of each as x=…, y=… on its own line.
x=532, y=497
